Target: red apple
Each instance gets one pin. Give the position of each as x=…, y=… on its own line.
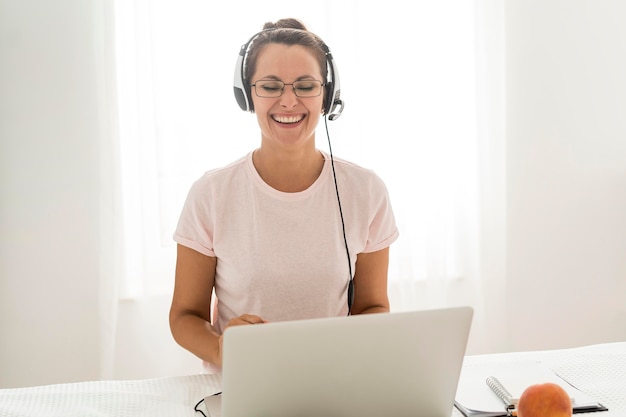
x=544, y=400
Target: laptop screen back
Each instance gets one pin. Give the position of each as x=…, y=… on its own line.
x=390, y=364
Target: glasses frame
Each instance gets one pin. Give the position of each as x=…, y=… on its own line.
x=295, y=90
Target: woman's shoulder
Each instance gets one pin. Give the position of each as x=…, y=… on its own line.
x=347, y=165
x=224, y=171
x=353, y=170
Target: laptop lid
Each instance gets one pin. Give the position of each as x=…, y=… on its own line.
x=390, y=364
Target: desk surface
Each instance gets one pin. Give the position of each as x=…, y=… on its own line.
x=599, y=370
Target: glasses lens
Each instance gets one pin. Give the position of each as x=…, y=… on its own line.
x=307, y=88
x=269, y=88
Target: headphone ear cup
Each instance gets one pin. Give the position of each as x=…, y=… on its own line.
x=240, y=96
x=328, y=97
x=240, y=87
x=333, y=106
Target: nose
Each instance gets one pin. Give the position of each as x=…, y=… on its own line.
x=288, y=99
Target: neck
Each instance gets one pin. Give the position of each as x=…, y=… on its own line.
x=288, y=171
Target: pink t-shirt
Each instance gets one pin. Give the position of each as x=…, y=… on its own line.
x=282, y=255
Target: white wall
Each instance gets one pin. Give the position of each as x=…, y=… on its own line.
x=566, y=179
x=50, y=177
x=58, y=247
x=566, y=172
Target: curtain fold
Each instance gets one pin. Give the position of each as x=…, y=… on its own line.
x=111, y=225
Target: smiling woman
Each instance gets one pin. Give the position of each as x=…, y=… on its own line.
x=410, y=84
x=278, y=116
x=162, y=159
x=266, y=234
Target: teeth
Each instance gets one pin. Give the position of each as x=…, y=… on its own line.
x=287, y=119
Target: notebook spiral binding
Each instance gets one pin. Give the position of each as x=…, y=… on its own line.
x=501, y=392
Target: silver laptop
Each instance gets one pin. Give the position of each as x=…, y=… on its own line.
x=396, y=364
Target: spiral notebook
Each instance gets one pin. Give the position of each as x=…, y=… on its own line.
x=494, y=390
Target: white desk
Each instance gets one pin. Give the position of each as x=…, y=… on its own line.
x=599, y=370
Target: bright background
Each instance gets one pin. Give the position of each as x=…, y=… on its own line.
x=544, y=236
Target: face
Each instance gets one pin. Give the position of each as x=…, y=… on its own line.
x=287, y=120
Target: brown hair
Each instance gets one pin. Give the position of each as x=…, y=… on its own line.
x=288, y=32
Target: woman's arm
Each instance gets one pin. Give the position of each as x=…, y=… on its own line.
x=370, y=283
x=190, y=312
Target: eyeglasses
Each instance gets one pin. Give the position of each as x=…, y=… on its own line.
x=275, y=88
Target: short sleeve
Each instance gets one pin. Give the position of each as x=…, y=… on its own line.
x=196, y=222
x=382, y=224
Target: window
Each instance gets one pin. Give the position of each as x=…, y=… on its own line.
x=416, y=128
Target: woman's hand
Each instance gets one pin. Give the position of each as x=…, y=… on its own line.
x=244, y=319
x=238, y=321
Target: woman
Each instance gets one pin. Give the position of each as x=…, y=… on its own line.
x=278, y=233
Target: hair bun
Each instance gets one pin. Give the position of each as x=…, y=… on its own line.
x=288, y=23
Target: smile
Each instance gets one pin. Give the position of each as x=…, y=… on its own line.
x=288, y=119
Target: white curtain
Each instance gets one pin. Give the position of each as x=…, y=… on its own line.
x=423, y=86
